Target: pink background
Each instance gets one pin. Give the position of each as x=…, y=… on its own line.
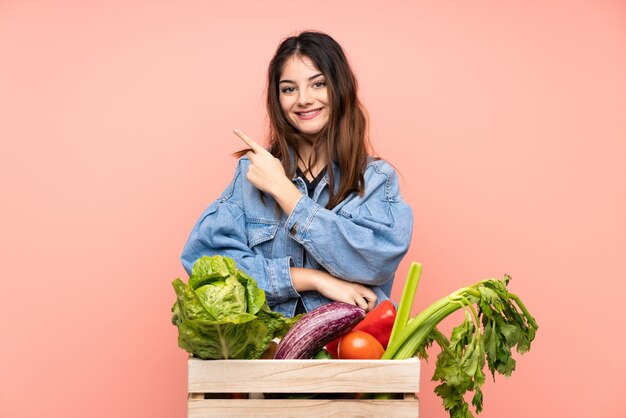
x=506, y=119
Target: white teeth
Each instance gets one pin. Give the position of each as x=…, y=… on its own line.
x=308, y=113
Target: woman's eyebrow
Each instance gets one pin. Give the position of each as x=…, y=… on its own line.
x=293, y=82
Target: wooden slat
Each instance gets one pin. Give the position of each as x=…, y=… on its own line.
x=303, y=408
x=319, y=376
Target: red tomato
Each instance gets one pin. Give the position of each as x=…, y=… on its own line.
x=359, y=345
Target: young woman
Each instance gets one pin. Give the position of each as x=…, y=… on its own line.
x=314, y=218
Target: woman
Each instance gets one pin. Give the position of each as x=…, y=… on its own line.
x=314, y=218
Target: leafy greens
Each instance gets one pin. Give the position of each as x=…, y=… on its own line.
x=221, y=313
x=496, y=321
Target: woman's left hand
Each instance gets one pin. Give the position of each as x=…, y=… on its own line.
x=332, y=287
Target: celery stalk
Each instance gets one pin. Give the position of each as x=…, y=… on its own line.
x=406, y=301
x=414, y=335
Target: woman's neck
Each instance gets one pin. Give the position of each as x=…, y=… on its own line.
x=305, y=152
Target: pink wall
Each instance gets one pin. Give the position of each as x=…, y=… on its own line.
x=506, y=119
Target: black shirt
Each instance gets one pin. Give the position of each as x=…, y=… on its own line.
x=310, y=188
x=311, y=185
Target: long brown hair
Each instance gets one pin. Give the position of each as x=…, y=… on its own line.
x=344, y=139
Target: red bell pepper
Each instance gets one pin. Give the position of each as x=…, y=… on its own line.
x=378, y=323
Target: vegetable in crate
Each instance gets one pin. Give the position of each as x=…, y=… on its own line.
x=495, y=322
x=359, y=345
x=316, y=328
x=222, y=314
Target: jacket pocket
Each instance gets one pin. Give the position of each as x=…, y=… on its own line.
x=261, y=237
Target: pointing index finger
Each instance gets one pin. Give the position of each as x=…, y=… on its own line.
x=249, y=141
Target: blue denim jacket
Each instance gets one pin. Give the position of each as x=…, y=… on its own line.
x=362, y=239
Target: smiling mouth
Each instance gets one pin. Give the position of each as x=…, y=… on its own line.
x=310, y=114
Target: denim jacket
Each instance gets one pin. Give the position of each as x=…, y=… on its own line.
x=362, y=239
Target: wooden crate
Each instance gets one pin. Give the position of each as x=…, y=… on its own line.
x=208, y=379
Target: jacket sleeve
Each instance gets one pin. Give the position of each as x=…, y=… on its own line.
x=221, y=230
x=366, y=238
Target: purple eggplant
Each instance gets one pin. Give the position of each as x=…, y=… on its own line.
x=317, y=328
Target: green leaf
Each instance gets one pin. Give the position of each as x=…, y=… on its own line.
x=275, y=322
x=477, y=400
x=187, y=305
x=471, y=358
x=510, y=332
x=462, y=334
x=428, y=341
x=208, y=269
x=254, y=294
x=228, y=300
x=223, y=339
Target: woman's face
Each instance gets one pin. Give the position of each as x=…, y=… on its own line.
x=303, y=95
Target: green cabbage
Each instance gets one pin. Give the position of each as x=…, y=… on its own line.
x=221, y=313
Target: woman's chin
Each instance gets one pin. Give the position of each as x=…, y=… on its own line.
x=309, y=129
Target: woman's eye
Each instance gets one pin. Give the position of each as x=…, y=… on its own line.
x=287, y=90
x=319, y=84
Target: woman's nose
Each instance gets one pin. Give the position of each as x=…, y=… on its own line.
x=304, y=98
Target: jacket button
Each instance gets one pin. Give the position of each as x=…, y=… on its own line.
x=293, y=230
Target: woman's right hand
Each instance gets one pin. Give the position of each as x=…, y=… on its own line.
x=333, y=288
x=267, y=174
